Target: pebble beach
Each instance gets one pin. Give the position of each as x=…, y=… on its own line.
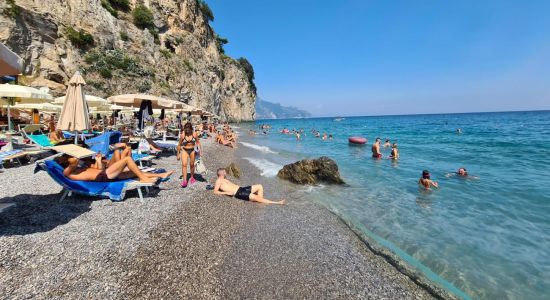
x=183, y=243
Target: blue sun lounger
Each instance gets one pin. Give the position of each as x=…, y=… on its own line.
x=114, y=190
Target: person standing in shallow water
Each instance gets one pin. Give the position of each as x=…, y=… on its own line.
x=376, y=149
x=426, y=181
x=186, y=152
x=394, y=151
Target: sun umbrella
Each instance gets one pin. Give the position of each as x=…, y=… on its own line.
x=93, y=101
x=74, y=114
x=11, y=94
x=40, y=106
x=134, y=100
x=10, y=63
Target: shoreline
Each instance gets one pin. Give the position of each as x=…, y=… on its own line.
x=185, y=243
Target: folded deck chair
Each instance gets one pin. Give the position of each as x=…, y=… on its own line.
x=114, y=190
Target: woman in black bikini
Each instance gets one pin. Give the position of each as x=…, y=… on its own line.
x=188, y=140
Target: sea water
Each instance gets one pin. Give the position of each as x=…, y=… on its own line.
x=488, y=237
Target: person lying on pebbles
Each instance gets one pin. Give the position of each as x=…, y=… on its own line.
x=116, y=171
x=249, y=193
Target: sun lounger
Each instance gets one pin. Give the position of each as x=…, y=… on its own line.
x=10, y=156
x=41, y=140
x=114, y=190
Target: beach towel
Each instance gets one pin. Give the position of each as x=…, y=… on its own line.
x=41, y=139
x=114, y=190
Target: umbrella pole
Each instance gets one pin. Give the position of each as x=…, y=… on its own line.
x=76, y=137
x=9, y=118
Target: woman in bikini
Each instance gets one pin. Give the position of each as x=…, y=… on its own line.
x=186, y=151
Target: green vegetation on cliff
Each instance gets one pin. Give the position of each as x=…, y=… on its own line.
x=11, y=10
x=80, y=39
x=143, y=17
x=205, y=10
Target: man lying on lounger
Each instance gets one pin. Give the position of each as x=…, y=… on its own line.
x=125, y=168
x=248, y=193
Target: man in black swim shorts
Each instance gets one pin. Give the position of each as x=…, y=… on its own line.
x=248, y=193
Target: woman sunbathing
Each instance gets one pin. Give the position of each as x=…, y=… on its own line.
x=116, y=171
x=55, y=136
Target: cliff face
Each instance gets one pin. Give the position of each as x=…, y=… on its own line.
x=178, y=55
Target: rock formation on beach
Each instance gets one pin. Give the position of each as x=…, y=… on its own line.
x=161, y=47
x=312, y=171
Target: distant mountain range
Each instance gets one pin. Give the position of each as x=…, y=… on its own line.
x=271, y=110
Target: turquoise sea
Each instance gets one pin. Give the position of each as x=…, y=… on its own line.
x=488, y=237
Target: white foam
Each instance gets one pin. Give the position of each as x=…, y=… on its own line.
x=267, y=168
x=264, y=149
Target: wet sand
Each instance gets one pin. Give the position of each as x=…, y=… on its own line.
x=184, y=243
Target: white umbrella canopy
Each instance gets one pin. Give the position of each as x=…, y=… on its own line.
x=23, y=94
x=10, y=63
x=93, y=101
x=12, y=93
x=134, y=100
x=40, y=106
x=74, y=114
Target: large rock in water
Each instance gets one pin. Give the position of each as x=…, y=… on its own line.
x=312, y=171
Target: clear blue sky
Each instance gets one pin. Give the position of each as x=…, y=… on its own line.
x=354, y=57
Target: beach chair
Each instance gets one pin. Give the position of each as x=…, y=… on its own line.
x=41, y=140
x=12, y=155
x=102, y=144
x=114, y=190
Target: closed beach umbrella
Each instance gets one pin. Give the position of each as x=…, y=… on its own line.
x=10, y=63
x=74, y=114
x=11, y=94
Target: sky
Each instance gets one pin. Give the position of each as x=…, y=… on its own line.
x=359, y=57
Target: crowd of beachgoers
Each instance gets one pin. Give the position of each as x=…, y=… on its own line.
x=149, y=137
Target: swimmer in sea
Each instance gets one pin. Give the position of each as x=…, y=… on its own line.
x=394, y=151
x=462, y=172
x=426, y=182
x=387, y=143
x=325, y=136
x=376, y=149
x=330, y=137
x=458, y=131
x=298, y=136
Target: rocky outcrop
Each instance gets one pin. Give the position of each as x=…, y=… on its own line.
x=233, y=170
x=179, y=56
x=312, y=171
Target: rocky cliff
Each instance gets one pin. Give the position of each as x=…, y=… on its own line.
x=271, y=110
x=161, y=47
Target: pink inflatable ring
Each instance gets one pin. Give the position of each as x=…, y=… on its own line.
x=357, y=140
